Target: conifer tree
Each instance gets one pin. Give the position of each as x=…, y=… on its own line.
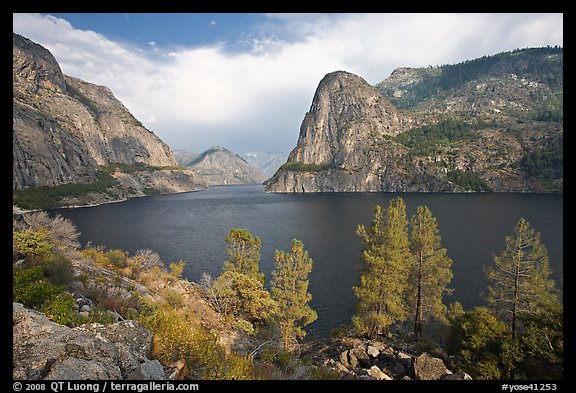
x=289, y=288
x=243, y=253
x=384, y=271
x=239, y=291
x=520, y=283
x=430, y=272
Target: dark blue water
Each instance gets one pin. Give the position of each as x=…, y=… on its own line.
x=193, y=226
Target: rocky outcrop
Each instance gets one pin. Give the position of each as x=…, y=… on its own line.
x=43, y=349
x=65, y=130
x=375, y=360
x=218, y=165
x=504, y=110
x=345, y=144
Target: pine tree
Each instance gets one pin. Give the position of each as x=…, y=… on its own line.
x=384, y=272
x=243, y=253
x=289, y=288
x=430, y=271
x=239, y=291
x=520, y=283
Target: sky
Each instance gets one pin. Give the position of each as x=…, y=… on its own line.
x=244, y=81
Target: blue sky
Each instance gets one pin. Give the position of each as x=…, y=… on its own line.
x=172, y=30
x=245, y=81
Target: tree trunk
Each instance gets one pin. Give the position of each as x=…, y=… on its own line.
x=418, y=316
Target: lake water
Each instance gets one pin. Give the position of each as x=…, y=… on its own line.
x=193, y=226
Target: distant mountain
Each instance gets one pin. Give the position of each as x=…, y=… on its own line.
x=489, y=124
x=266, y=162
x=183, y=157
x=74, y=143
x=218, y=165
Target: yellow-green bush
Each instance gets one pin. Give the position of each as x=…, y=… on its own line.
x=60, y=309
x=31, y=288
x=31, y=245
x=175, y=337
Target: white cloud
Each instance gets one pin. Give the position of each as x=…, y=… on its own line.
x=255, y=100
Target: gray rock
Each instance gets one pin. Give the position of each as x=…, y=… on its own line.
x=362, y=356
x=457, y=377
x=404, y=358
x=372, y=352
x=340, y=367
x=344, y=359
x=84, y=314
x=427, y=367
x=387, y=354
x=149, y=370
x=376, y=373
x=378, y=345
x=349, y=376
x=352, y=360
x=398, y=369
x=85, y=308
x=43, y=349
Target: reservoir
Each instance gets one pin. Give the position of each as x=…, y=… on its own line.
x=193, y=226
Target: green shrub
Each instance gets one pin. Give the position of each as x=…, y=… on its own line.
x=30, y=244
x=174, y=298
x=60, y=309
x=176, y=269
x=59, y=270
x=118, y=259
x=323, y=373
x=424, y=140
x=468, y=180
x=98, y=315
x=301, y=167
x=31, y=288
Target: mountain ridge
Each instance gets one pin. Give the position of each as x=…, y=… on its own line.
x=70, y=132
x=495, y=131
x=218, y=166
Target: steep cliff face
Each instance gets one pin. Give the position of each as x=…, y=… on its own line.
x=346, y=144
x=65, y=130
x=218, y=165
x=490, y=124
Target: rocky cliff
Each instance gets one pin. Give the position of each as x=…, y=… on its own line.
x=65, y=130
x=345, y=144
x=491, y=124
x=46, y=350
x=220, y=166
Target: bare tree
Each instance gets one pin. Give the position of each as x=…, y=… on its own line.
x=148, y=259
x=60, y=231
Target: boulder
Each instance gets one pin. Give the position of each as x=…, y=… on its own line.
x=352, y=360
x=340, y=367
x=427, y=367
x=149, y=370
x=344, y=359
x=378, y=345
x=43, y=349
x=457, y=377
x=376, y=373
x=372, y=351
x=362, y=356
x=386, y=354
x=404, y=358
